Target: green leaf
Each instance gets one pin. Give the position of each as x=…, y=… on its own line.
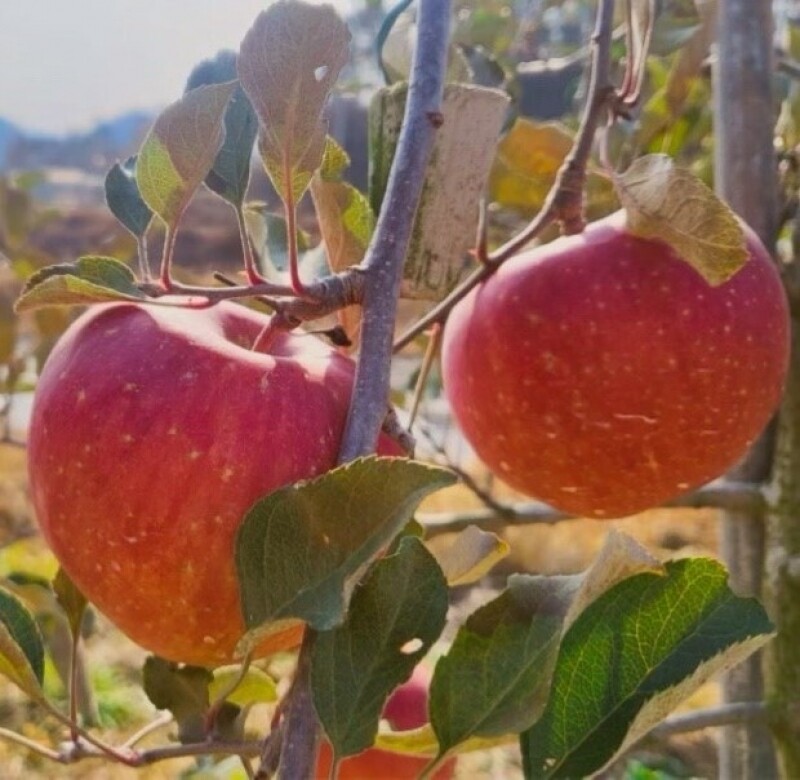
x=71, y=600
x=671, y=204
x=256, y=686
x=180, y=149
x=21, y=646
x=496, y=677
x=124, y=199
x=288, y=63
x=632, y=656
x=183, y=690
x=230, y=174
x=301, y=550
x=394, y=617
x=90, y=279
x=470, y=555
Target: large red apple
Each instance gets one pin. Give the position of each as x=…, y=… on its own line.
x=406, y=708
x=154, y=429
x=601, y=374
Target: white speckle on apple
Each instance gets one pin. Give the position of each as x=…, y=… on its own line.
x=194, y=454
x=81, y=396
x=569, y=489
x=209, y=640
x=227, y=473
x=505, y=466
x=126, y=438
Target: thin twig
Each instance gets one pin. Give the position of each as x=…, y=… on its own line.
x=738, y=496
x=301, y=733
x=434, y=340
x=564, y=202
x=725, y=715
x=32, y=745
x=164, y=719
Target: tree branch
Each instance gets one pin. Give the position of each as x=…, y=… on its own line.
x=564, y=202
x=731, y=496
x=382, y=267
x=387, y=250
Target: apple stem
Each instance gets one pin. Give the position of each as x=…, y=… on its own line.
x=73, y=684
x=278, y=323
x=431, y=351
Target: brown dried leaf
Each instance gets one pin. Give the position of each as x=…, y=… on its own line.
x=673, y=205
x=288, y=63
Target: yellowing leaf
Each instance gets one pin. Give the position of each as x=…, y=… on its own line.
x=526, y=163
x=180, y=149
x=471, y=555
x=346, y=222
x=673, y=205
x=422, y=742
x=255, y=687
x=288, y=63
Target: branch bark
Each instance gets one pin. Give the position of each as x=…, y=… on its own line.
x=745, y=174
x=383, y=267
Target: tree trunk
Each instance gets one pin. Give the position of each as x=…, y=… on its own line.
x=745, y=174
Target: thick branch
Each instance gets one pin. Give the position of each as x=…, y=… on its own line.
x=383, y=266
x=387, y=250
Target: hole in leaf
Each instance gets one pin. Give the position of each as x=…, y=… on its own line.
x=411, y=646
x=321, y=72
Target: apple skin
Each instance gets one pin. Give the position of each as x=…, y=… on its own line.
x=601, y=374
x=405, y=709
x=154, y=429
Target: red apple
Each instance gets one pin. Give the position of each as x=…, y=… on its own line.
x=406, y=709
x=601, y=374
x=154, y=429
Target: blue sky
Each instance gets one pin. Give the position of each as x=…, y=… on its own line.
x=66, y=64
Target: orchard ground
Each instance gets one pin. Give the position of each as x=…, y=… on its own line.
x=115, y=663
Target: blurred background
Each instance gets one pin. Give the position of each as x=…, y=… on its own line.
x=80, y=84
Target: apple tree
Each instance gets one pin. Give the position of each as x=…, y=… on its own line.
x=220, y=471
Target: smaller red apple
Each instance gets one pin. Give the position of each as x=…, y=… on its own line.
x=406, y=708
x=602, y=374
